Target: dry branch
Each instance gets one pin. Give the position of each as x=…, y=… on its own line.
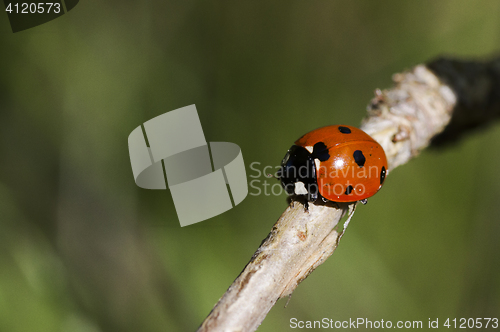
x=404, y=120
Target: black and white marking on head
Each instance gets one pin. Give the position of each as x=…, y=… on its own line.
x=298, y=173
x=359, y=158
x=300, y=188
x=344, y=130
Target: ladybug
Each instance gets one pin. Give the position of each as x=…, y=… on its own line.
x=334, y=163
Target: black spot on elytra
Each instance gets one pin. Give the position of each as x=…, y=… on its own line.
x=344, y=130
x=320, y=151
x=349, y=190
x=382, y=175
x=359, y=158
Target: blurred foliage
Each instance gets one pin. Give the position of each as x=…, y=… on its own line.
x=83, y=249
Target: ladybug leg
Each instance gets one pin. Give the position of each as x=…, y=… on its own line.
x=364, y=201
x=288, y=301
x=352, y=209
x=306, y=206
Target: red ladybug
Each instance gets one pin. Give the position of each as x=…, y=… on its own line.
x=334, y=163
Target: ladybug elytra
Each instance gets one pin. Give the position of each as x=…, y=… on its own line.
x=334, y=163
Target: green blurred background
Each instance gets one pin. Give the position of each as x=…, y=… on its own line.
x=82, y=248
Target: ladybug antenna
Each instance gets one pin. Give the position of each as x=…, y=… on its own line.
x=277, y=176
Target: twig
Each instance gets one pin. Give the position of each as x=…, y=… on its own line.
x=404, y=120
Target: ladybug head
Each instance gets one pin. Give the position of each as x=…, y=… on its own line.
x=298, y=173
